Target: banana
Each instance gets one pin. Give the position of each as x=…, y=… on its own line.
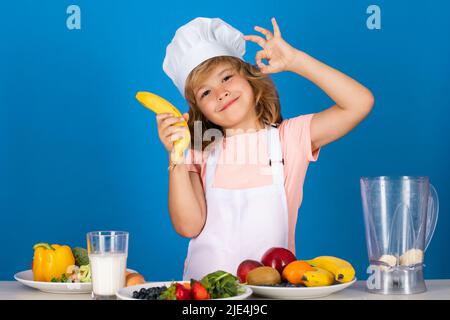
x=342, y=270
x=411, y=257
x=318, y=278
x=159, y=105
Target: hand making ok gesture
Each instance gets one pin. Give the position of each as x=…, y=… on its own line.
x=276, y=51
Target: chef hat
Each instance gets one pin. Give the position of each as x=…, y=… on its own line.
x=198, y=41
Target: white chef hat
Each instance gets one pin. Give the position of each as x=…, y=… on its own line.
x=197, y=41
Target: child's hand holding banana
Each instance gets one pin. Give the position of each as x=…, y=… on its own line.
x=172, y=125
x=169, y=130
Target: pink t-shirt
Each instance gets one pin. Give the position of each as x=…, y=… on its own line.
x=244, y=163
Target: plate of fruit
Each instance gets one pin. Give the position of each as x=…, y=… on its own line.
x=218, y=285
x=280, y=275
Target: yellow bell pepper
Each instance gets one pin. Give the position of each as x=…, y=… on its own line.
x=51, y=261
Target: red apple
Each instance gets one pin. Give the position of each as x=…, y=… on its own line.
x=245, y=267
x=278, y=258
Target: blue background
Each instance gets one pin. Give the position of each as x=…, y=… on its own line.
x=79, y=153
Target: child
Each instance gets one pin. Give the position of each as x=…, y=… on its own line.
x=233, y=212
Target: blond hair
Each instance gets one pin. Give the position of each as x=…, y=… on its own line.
x=267, y=102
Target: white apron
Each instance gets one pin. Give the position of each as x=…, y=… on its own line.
x=241, y=223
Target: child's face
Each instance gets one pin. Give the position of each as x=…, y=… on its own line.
x=221, y=87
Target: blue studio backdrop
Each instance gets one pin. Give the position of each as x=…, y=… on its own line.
x=79, y=153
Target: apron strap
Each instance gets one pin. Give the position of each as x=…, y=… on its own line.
x=211, y=162
x=276, y=160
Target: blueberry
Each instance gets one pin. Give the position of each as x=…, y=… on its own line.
x=151, y=293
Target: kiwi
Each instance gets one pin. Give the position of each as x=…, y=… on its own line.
x=263, y=276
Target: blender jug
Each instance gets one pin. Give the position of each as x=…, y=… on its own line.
x=400, y=216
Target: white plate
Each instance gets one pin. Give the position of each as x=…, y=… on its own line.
x=298, y=292
x=26, y=278
x=127, y=293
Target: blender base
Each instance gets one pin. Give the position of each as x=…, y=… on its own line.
x=396, y=280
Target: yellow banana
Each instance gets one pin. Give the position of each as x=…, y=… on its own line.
x=159, y=105
x=318, y=278
x=342, y=270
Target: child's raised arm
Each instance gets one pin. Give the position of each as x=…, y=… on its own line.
x=187, y=206
x=353, y=100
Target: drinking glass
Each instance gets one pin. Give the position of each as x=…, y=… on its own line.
x=108, y=251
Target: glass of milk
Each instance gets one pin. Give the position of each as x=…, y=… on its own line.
x=107, y=252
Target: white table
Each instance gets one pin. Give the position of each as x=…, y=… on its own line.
x=437, y=290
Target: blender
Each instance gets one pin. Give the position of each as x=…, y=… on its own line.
x=400, y=216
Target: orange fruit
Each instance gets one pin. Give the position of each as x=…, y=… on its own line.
x=294, y=271
x=187, y=285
